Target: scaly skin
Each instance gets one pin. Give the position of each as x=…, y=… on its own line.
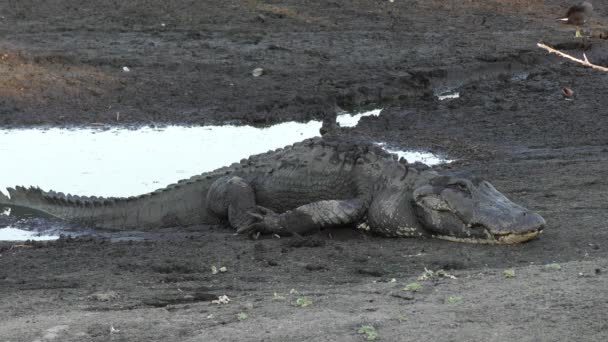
x=306, y=187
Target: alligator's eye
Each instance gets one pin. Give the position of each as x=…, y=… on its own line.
x=462, y=186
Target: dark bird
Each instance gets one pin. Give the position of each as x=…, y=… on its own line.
x=578, y=15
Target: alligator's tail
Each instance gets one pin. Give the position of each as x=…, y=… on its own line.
x=177, y=204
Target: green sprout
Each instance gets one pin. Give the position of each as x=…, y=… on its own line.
x=414, y=287
x=369, y=331
x=454, y=299
x=303, y=302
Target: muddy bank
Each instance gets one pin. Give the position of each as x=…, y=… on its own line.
x=191, y=62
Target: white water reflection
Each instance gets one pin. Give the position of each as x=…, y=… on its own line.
x=351, y=120
x=14, y=234
x=124, y=162
x=447, y=96
x=427, y=158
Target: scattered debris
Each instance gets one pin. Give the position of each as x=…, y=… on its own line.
x=448, y=96
x=215, y=270
x=429, y=274
x=567, y=92
x=364, y=226
x=223, y=299
x=113, y=331
x=294, y=291
x=509, y=273
x=553, y=266
x=369, y=331
x=402, y=318
x=257, y=72
x=126, y=69
x=241, y=316
x=454, y=299
x=584, y=62
x=413, y=287
x=303, y=302
x=277, y=296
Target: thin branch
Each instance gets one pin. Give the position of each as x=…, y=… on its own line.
x=565, y=55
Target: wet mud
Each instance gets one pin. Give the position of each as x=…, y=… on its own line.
x=191, y=62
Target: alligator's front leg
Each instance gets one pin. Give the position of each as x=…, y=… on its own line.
x=308, y=218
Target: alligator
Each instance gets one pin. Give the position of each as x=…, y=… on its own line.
x=303, y=188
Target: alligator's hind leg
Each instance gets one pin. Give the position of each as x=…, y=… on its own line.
x=232, y=198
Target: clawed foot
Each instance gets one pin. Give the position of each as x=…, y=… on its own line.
x=267, y=222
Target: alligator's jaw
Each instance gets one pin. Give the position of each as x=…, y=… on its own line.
x=502, y=239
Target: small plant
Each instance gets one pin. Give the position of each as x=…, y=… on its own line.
x=553, y=266
x=454, y=299
x=369, y=331
x=414, y=287
x=509, y=273
x=303, y=302
x=241, y=316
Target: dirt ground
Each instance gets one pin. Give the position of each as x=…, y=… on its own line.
x=191, y=62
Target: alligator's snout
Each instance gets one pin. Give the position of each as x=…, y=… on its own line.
x=525, y=226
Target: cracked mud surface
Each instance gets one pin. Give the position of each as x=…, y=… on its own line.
x=62, y=62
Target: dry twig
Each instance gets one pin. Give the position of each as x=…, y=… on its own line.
x=584, y=62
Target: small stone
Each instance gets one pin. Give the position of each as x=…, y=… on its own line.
x=104, y=296
x=126, y=69
x=257, y=72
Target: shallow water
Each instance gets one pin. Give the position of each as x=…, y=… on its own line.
x=123, y=162
x=15, y=234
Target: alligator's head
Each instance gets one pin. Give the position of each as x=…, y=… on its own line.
x=460, y=207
